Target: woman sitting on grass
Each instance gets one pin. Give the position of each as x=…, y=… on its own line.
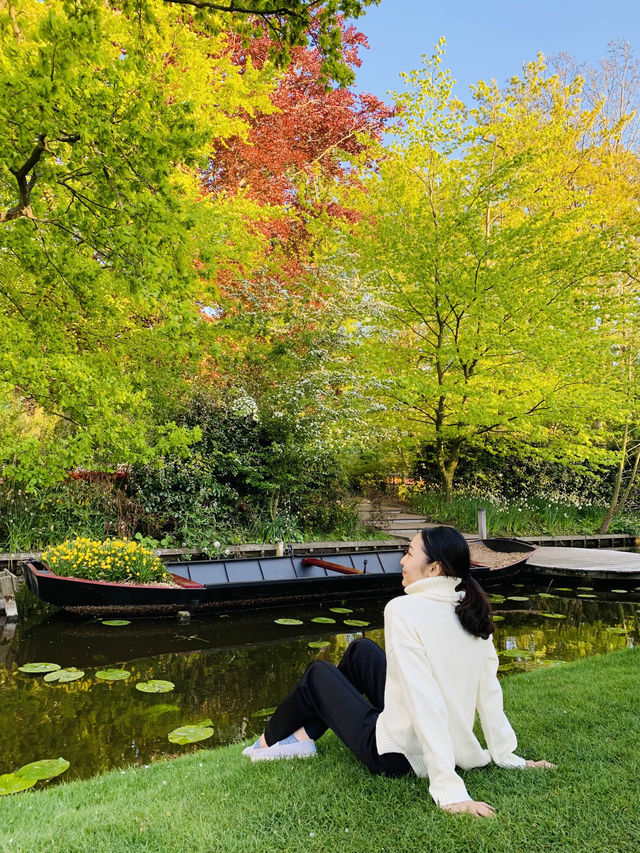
x=422, y=697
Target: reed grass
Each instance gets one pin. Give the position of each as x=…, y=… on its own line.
x=527, y=517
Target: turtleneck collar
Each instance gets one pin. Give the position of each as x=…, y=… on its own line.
x=439, y=588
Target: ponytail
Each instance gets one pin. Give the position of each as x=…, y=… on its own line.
x=447, y=546
x=474, y=611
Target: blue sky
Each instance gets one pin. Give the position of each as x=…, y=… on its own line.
x=487, y=40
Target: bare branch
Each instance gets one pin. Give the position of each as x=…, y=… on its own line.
x=232, y=7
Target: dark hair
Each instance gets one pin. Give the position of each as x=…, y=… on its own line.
x=447, y=546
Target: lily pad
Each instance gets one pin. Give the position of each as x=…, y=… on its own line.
x=621, y=591
x=497, y=618
x=11, y=783
x=586, y=588
x=585, y=595
x=116, y=623
x=65, y=675
x=113, y=674
x=340, y=610
x=192, y=734
x=494, y=598
x=45, y=769
x=518, y=598
x=546, y=595
x=319, y=644
x=288, y=621
x=155, y=685
x=35, y=668
x=564, y=589
x=554, y=615
x=356, y=623
x=264, y=712
x=324, y=620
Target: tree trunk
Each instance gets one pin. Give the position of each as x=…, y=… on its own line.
x=447, y=464
x=617, y=503
x=613, y=504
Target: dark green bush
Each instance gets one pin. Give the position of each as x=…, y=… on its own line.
x=261, y=476
x=506, y=470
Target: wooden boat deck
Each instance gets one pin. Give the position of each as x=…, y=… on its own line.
x=596, y=563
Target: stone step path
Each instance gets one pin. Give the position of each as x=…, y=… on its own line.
x=392, y=518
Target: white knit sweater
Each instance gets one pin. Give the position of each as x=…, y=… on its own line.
x=438, y=675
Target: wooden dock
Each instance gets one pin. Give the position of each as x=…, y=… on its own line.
x=594, y=563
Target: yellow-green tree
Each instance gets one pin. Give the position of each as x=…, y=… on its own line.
x=106, y=243
x=485, y=237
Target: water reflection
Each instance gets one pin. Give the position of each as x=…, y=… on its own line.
x=230, y=667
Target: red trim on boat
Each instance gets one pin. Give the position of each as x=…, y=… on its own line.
x=184, y=583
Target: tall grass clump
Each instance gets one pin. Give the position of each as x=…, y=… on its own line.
x=524, y=516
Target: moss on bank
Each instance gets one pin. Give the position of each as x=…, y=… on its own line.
x=582, y=716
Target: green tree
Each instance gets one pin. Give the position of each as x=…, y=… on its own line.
x=483, y=242
x=612, y=87
x=107, y=245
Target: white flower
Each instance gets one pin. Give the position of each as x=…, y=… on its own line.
x=216, y=544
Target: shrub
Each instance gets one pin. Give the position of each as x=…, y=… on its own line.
x=264, y=476
x=513, y=472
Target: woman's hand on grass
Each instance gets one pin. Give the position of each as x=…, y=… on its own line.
x=545, y=765
x=475, y=807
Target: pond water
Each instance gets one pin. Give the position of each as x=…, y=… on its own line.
x=231, y=667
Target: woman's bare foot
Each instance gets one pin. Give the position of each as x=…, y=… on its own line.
x=299, y=734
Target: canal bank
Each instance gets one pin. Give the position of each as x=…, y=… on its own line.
x=582, y=716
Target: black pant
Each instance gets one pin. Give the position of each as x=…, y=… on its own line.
x=331, y=697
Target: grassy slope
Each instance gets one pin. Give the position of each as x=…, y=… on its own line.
x=584, y=716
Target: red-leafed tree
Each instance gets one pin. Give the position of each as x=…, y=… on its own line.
x=293, y=156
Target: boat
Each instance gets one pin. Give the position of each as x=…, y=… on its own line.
x=212, y=584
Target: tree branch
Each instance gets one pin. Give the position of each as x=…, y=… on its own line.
x=26, y=183
x=233, y=7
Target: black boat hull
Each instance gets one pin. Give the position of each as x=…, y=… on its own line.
x=212, y=584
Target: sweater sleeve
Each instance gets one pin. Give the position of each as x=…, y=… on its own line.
x=429, y=720
x=500, y=737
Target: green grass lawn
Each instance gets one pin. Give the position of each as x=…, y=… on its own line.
x=584, y=716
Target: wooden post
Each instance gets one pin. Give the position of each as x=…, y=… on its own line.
x=279, y=548
x=482, y=523
x=8, y=591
